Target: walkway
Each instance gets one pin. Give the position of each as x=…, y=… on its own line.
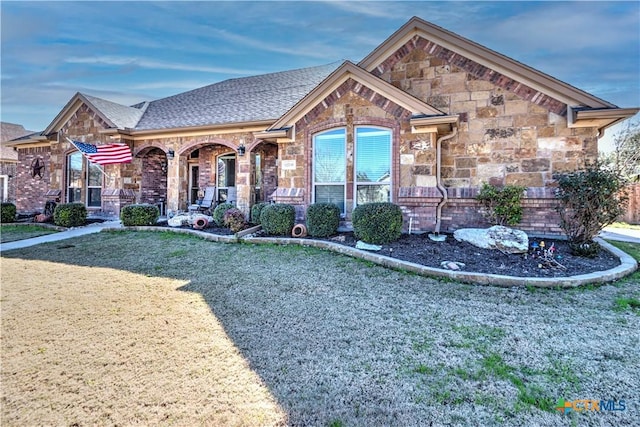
x=72, y=232
x=619, y=234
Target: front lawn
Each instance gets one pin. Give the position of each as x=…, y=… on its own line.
x=162, y=328
x=13, y=232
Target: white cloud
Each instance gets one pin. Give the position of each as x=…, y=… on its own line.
x=153, y=64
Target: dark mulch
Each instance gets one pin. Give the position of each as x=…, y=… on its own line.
x=419, y=249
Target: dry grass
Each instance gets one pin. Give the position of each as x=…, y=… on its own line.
x=98, y=346
x=170, y=329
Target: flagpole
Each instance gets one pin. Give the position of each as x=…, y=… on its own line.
x=100, y=167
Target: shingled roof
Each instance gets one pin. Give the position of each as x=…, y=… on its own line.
x=246, y=99
x=120, y=115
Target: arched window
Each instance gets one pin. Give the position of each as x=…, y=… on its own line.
x=84, y=181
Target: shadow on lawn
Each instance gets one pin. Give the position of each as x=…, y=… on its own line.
x=337, y=340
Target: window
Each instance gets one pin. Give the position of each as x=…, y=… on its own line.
x=4, y=187
x=83, y=176
x=227, y=178
x=371, y=166
x=329, y=171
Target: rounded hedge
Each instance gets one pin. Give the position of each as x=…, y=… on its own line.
x=377, y=223
x=70, y=215
x=323, y=219
x=234, y=219
x=8, y=212
x=139, y=214
x=218, y=213
x=255, y=212
x=278, y=219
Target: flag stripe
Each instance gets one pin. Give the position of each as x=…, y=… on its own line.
x=105, y=154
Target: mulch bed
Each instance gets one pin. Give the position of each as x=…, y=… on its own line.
x=419, y=249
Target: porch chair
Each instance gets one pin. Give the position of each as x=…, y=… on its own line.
x=207, y=201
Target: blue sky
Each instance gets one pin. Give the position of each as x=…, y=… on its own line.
x=129, y=52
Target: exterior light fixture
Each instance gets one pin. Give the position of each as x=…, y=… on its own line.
x=241, y=148
x=171, y=154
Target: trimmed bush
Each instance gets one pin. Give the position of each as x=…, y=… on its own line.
x=218, y=213
x=234, y=219
x=8, y=212
x=255, y=212
x=589, y=200
x=141, y=214
x=323, y=219
x=501, y=205
x=278, y=219
x=70, y=215
x=377, y=223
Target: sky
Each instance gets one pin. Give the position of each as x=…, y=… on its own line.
x=128, y=52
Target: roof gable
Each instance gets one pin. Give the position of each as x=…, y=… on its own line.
x=114, y=115
x=459, y=48
x=347, y=71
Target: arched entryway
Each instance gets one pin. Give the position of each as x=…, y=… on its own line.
x=264, y=173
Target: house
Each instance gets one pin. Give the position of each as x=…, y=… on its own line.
x=422, y=121
x=9, y=159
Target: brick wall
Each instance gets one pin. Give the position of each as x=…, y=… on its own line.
x=632, y=216
x=154, y=179
x=30, y=191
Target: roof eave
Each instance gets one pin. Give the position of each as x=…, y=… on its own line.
x=600, y=118
x=240, y=126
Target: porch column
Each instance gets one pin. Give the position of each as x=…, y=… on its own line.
x=176, y=183
x=243, y=183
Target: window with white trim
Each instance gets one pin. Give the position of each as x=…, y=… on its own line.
x=371, y=166
x=329, y=167
x=83, y=176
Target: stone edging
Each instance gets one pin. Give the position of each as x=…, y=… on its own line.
x=627, y=264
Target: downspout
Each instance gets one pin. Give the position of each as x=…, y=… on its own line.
x=441, y=187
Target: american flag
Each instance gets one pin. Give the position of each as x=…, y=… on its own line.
x=105, y=154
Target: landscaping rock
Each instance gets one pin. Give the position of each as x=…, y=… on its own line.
x=452, y=265
x=367, y=246
x=505, y=239
x=179, y=221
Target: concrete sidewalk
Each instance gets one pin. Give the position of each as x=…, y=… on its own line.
x=620, y=234
x=72, y=232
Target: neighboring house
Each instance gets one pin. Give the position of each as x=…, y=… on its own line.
x=9, y=159
x=422, y=122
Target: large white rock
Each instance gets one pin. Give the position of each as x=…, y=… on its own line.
x=178, y=221
x=498, y=237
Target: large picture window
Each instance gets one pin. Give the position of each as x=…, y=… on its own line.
x=329, y=167
x=371, y=166
x=84, y=181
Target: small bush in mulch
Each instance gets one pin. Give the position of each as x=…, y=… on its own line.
x=255, y=212
x=8, y=212
x=323, y=219
x=140, y=214
x=218, y=213
x=377, y=223
x=278, y=219
x=234, y=219
x=70, y=215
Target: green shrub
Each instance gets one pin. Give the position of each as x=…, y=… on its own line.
x=70, y=215
x=8, y=212
x=323, y=219
x=377, y=223
x=218, y=213
x=141, y=214
x=234, y=219
x=278, y=219
x=588, y=201
x=255, y=212
x=501, y=205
